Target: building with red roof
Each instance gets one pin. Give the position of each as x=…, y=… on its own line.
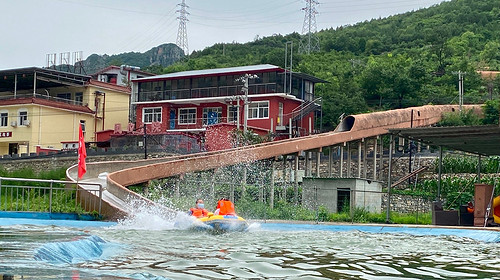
x=216, y=101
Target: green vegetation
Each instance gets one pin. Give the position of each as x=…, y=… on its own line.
x=31, y=196
x=468, y=164
x=455, y=191
x=404, y=60
x=491, y=112
x=399, y=61
x=467, y=117
x=54, y=174
x=288, y=211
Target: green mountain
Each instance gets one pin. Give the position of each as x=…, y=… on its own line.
x=157, y=57
x=403, y=60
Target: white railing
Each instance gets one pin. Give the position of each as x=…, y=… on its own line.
x=36, y=195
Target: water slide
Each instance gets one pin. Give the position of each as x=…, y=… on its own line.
x=354, y=127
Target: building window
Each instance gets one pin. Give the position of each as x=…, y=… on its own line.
x=4, y=118
x=187, y=116
x=150, y=115
x=309, y=91
x=212, y=115
x=66, y=95
x=23, y=117
x=79, y=98
x=232, y=113
x=83, y=124
x=258, y=110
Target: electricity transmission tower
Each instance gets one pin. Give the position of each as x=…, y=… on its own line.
x=182, y=40
x=310, y=41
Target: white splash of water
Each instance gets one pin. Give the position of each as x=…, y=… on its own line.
x=144, y=216
x=254, y=227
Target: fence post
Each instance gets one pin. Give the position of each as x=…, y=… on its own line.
x=50, y=197
x=76, y=196
x=100, y=198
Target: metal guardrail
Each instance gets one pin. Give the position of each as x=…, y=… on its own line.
x=50, y=198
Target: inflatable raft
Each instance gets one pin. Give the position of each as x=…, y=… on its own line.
x=221, y=223
x=496, y=209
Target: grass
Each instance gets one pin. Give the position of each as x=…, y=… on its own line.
x=286, y=211
x=33, y=199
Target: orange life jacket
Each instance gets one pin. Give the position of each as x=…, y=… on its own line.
x=226, y=207
x=197, y=212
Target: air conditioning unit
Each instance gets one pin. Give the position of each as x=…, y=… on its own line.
x=13, y=123
x=26, y=122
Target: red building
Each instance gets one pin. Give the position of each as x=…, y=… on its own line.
x=213, y=101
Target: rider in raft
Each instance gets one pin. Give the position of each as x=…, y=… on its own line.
x=225, y=207
x=198, y=211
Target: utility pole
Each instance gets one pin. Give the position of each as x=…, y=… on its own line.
x=460, y=88
x=245, y=79
x=182, y=40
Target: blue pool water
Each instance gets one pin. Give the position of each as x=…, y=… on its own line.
x=152, y=248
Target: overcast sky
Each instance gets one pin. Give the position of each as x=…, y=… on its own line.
x=34, y=28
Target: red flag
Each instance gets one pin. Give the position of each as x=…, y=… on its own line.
x=82, y=154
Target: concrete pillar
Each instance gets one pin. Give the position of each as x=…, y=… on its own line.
x=359, y=158
x=296, y=184
x=285, y=168
x=243, y=182
x=348, y=160
x=389, y=182
x=375, y=158
x=271, y=191
x=307, y=166
x=365, y=156
x=318, y=164
x=231, y=192
x=381, y=161
x=177, y=192
x=341, y=167
x=212, y=185
x=261, y=192
x=330, y=161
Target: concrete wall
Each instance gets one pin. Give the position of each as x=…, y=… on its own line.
x=324, y=191
x=367, y=195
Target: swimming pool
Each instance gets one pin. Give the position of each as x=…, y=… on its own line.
x=152, y=248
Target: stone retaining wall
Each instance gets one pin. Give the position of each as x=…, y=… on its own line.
x=54, y=162
x=406, y=203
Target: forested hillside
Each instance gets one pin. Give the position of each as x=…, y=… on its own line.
x=400, y=61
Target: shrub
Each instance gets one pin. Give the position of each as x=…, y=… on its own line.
x=491, y=110
x=466, y=117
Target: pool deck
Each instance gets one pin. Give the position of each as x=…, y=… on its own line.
x=368, y=224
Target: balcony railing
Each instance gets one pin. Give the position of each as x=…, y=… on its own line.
x=42, y=96
x=197, y=123
x=205, y=92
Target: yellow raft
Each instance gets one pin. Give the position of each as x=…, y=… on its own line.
x=222, y=223
x=496, y=209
